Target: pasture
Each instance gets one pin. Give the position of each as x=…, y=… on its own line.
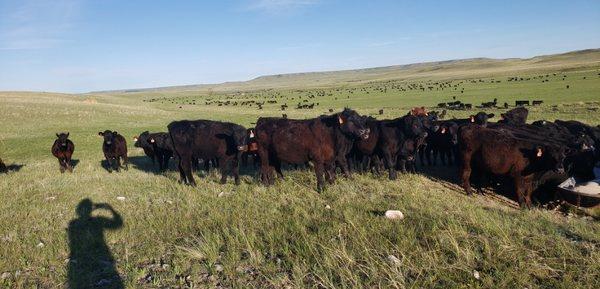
x=286, y=235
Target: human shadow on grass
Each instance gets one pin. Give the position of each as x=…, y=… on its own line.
x=91, y=264
x=9, y=168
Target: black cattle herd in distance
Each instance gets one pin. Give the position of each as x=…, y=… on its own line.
x=476, y=148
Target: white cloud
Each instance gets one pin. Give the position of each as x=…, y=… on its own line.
x=36, y=24
x=280, y=6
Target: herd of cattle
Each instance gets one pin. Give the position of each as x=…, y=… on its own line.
x=353, y=143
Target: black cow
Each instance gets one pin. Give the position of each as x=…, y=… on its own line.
x=2, y=167
x=157, y=146
x=499, y=152
x=114, y=147
x=207, y=140
x=323, y=140
x=521, y=102
x=63, y=149
x=443, y=142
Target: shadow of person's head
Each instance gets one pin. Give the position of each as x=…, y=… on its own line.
x=84, y=208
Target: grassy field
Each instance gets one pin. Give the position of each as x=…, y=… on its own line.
x=287, y=235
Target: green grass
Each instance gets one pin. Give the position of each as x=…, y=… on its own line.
x=283, y=236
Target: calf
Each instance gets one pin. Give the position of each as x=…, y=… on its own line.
x=157, y=146
x=392, y=137
x=442, y=142
x=114, y=148
x=63, y=149
x=500, y=153
x=323, y=141
x=207, y=140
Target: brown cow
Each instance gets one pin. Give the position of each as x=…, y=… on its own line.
x=498, y=152
x=114, y=148
x=324, y=141
x=63, y=149
x=419, y=111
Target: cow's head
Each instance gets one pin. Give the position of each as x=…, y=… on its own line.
x=251, y=140
x=141, y=140
x=481, y=118
x=241, y=137
x=414, y=127
x=109, y=136
x=550, y=157
x=62, y=139
x=351, y=123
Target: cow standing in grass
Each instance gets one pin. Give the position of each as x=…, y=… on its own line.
x=208, y=140
x=323, y=141
x=157, y=146
x=63, y=149
x=114, y=147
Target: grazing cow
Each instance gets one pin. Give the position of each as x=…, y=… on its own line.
x=499, y=152
x=207, y=140
x=515, y=116
x=537, y=102
x=114, y=148
x=63, y=149
x=323, y=141
x=521, y=102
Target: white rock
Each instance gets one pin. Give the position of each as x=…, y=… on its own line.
x=5, y=275
x=476, y=274
x=51, y=198
x=218, y=268
x=394, y=215
x=328, y=207
x=121, y=198
x=40, y=245
x=221, y=194
x=394, y=260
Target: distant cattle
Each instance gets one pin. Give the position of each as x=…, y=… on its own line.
x=381, y=111
x=208, y=140
x=324, y=141
x=521, y=102
x=537, y=102
x=114, y=148
x=498, y=152
x=284, y=115
x=63, y=149
x=515, y=116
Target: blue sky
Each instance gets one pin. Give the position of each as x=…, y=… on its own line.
x=80, y=46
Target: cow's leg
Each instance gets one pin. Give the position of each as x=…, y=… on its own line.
x=223, y=163
x=465, y=173
x=61, y=165
x=344, y=166
x=236, y=168
x=182, y=177
x=319, y=172
x=125, y=162
x=390, y=162
x=68, y=163
x=520, y=190
x=109, y=165
x=428, y=152
x=265, y=167
x=330, y=172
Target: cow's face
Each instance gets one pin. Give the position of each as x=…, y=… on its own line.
x=414, y=126
x=481, y=118
x=251, y=140
x=62, y=139
x=109, y=136
x=241, y=139
x=551, y=157
x=352, y=123
x=142, y=140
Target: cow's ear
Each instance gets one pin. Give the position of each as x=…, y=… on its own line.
x=340, y=119
x=57, y=135
x=152, y=140
x=100, y=133
x=490, y=115
x=67, y=134
x=539, y=152
x=135, y=138
x=251, y=133
x=472, y=118
x=443, y=130
x=115, y=132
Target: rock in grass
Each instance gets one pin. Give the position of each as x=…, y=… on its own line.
x=121, y=198
x=476, y=274
x=394, y=215
x=394, y=261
